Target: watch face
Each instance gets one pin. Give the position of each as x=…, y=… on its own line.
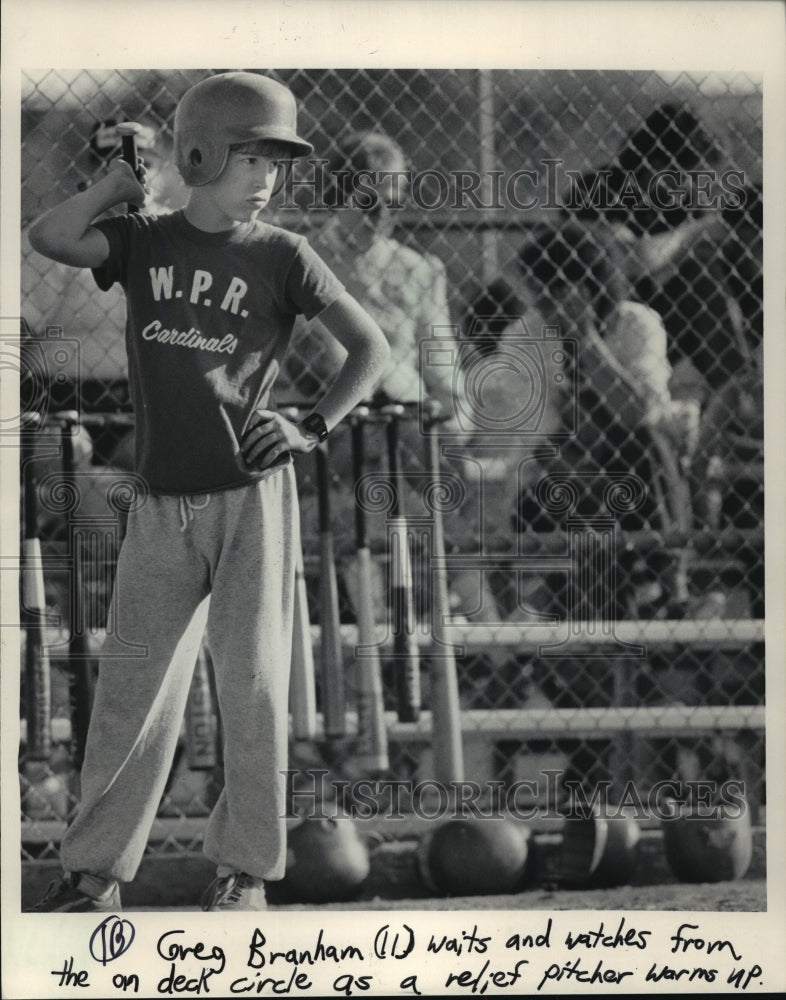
x=316, y=425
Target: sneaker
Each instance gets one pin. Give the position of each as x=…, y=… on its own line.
x=237, y=891
x=64, y=896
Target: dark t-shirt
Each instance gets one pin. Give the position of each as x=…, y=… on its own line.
x=210, y=317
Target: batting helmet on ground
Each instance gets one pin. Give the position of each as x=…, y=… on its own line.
x=230, y=108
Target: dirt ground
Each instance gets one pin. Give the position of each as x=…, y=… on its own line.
x=745, y=895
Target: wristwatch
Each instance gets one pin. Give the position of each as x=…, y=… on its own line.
x=315, y=424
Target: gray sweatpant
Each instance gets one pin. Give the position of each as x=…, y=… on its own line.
x=223, y=560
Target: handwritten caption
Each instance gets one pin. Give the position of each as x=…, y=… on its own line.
x=617, y=952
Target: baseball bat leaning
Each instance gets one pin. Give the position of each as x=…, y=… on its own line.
x=128, y=132
x=80, y=662
x=446, y=713
x=372, y=750
x=402, y=601
x=302, y=679
x=201, y=727
x=38, y=693
x=302, y=686
x=331, y=653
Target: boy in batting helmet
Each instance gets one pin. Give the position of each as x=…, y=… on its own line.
x=212, y=295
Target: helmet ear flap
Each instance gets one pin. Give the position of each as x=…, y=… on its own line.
x=198, y=159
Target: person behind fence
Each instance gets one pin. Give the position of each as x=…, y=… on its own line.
x=727, y=467
x=676, y=230
x=622, y=385
x=212, y=294
x=405, y=291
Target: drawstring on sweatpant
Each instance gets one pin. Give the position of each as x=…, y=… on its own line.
x=188, y=505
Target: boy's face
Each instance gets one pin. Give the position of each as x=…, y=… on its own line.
x=239, y=193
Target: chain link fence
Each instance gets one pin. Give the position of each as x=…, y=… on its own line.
x=627, y=487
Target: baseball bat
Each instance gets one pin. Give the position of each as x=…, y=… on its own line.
x=302, y=685
x=372, y=750
x=331, y=654
x=446, y=712
x=402, y=601
x=302, y=680
x=80, y=662
x=128, y=132
x=38, y=692
x=201, y=728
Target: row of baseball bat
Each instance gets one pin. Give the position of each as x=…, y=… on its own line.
x=202, y=730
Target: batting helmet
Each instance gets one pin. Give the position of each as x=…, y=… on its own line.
x=226, y=109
